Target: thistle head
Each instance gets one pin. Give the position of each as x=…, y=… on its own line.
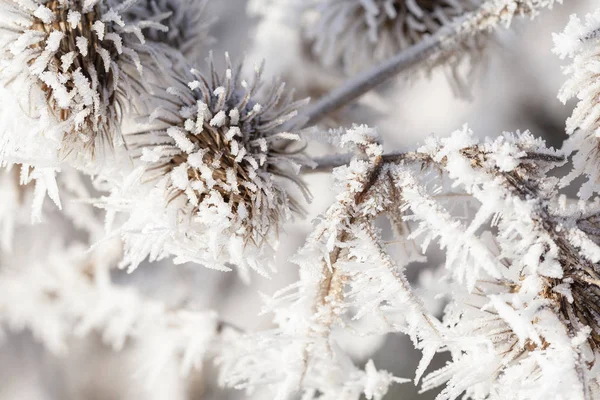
x=355, y=33
x=186, y=20
x=80, y=61
x=215, y=155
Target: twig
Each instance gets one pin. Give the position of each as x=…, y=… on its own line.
x=366, y=81
x=447, y=39
x=326, y=164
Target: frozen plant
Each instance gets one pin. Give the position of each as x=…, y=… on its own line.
x=80, y=60
x=210, y=185
x=205, y=165
x=359, y=33
x=580, y=41
x=186, y=21
x=75, y=69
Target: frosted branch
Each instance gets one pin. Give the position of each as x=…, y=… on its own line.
x=446, y=40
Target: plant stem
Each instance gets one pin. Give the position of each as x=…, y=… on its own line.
x=326, y=164
x=448, y=38
x=366, y=81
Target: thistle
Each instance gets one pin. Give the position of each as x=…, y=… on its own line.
x=215, y=155
x=579, y=42
x=354, y=34
x=186, y=20
x=80, y=61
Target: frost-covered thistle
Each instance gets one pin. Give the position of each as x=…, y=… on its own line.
x=522, y=320
x=186, y=20
x=528, y=320
x=358, y=33
x=214, y=156
x=75, y=64
x=580, y=41
x=205, y=181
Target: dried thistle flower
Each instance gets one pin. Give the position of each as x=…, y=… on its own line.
x=579, y=41
x=357, y=33
x=80, y=63
x=186, y=20
x=213, y=156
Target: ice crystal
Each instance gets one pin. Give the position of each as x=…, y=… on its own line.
x=580, y=41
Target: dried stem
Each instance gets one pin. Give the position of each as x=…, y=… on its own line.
x=446, y=40
x=326, y=164
x=368, y=80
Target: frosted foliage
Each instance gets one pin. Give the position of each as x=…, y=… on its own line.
x=510, y=314
x=520, y=279
x=579, y=42
x=209, y=188
x=73, y=291
x=308, y=311
x=479, y=251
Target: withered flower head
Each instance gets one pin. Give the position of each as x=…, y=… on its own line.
x=216, y=154
x=357, y=33
x=84, y=60
x=579, y=42
x=187, y=22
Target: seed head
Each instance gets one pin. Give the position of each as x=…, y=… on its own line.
x=186, y=20
x=354, y=34
x=80, y=60
x=215, y=156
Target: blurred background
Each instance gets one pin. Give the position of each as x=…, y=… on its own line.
x=514, y=88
